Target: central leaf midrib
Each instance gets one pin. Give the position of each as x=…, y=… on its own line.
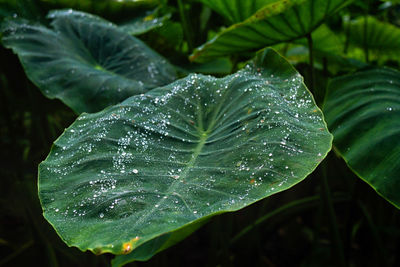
x=174, y=185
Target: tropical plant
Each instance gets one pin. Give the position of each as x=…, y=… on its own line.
x=158, y=149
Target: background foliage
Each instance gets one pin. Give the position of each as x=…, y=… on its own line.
x=298, y=227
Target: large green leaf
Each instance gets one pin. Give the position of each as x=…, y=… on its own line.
x=85, y=61
x=237, y=10
x=363, y=113
x=178, y=154
x=281, y=21
x=380, y=38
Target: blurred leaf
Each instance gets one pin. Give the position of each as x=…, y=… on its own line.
x=216, y=66
x=133, y=172
x=85, y=61
x=382, y=39
x=167, y=39
x=236, y=11
x=324, y=40
x=363, y=111
x=281, y=21
x=328, y=47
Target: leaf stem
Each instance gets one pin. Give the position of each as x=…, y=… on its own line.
x=311, y=62
x=185, y=25
x=366, y=50
x=296, y=206
x=375, y=234
x=334, y=228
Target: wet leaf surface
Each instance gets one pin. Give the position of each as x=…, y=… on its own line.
x=85, y=61
x=198, y=147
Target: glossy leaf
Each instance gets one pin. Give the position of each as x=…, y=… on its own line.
x=281, y=21
x=178, y=154
x=363, y=111
x=236, y=10
x=85, y=61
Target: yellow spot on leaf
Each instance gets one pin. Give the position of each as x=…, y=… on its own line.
x=149, y=17
x=128, y=246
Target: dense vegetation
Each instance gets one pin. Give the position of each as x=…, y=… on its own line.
x=200, y=133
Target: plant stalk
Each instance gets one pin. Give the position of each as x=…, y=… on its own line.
x=311, y=62
x=334, y=228
x=185, y=25
x=296, y=206
x=366, y=50
x=375, y=234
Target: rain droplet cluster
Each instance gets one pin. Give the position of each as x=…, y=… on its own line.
x=198, y=146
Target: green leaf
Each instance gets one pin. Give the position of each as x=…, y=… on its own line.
x=281, y=21
x=362, y=111
x=236, y=10
x=382, y=39
x=216, y=66
x=324, y=40
x=178, y=154
x=85, y=61
x=328, y=50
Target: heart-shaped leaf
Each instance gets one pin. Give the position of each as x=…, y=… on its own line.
x=363, y=113
x=178, y=154
x=280, y=21
x=85, y=61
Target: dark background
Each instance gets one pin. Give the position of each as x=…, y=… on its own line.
x=301, y=235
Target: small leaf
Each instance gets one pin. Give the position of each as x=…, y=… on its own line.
x=281, y=21
x=178, y=154
x=363, y=113
x=85, y=61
